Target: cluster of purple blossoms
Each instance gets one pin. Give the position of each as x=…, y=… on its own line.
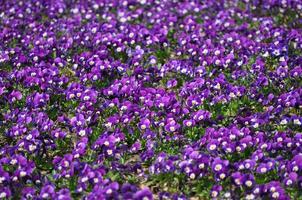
x=150, y=99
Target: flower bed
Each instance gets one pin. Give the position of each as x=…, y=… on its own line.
x=149, y=99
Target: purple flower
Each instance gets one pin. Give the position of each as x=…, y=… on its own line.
x=201, y=115
x=238, y=178
x=215, y=191
x=219, y=165
x=63, y=194
x=28, y=192
x=262, y=168
x=143, y=194
x=171, y=125
x=171, y=83
x=14, y=96
x=48, y=191
x=275, y=190
x=189, y=123
x=291, y=179
x=5, y=193
x=144, y=124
